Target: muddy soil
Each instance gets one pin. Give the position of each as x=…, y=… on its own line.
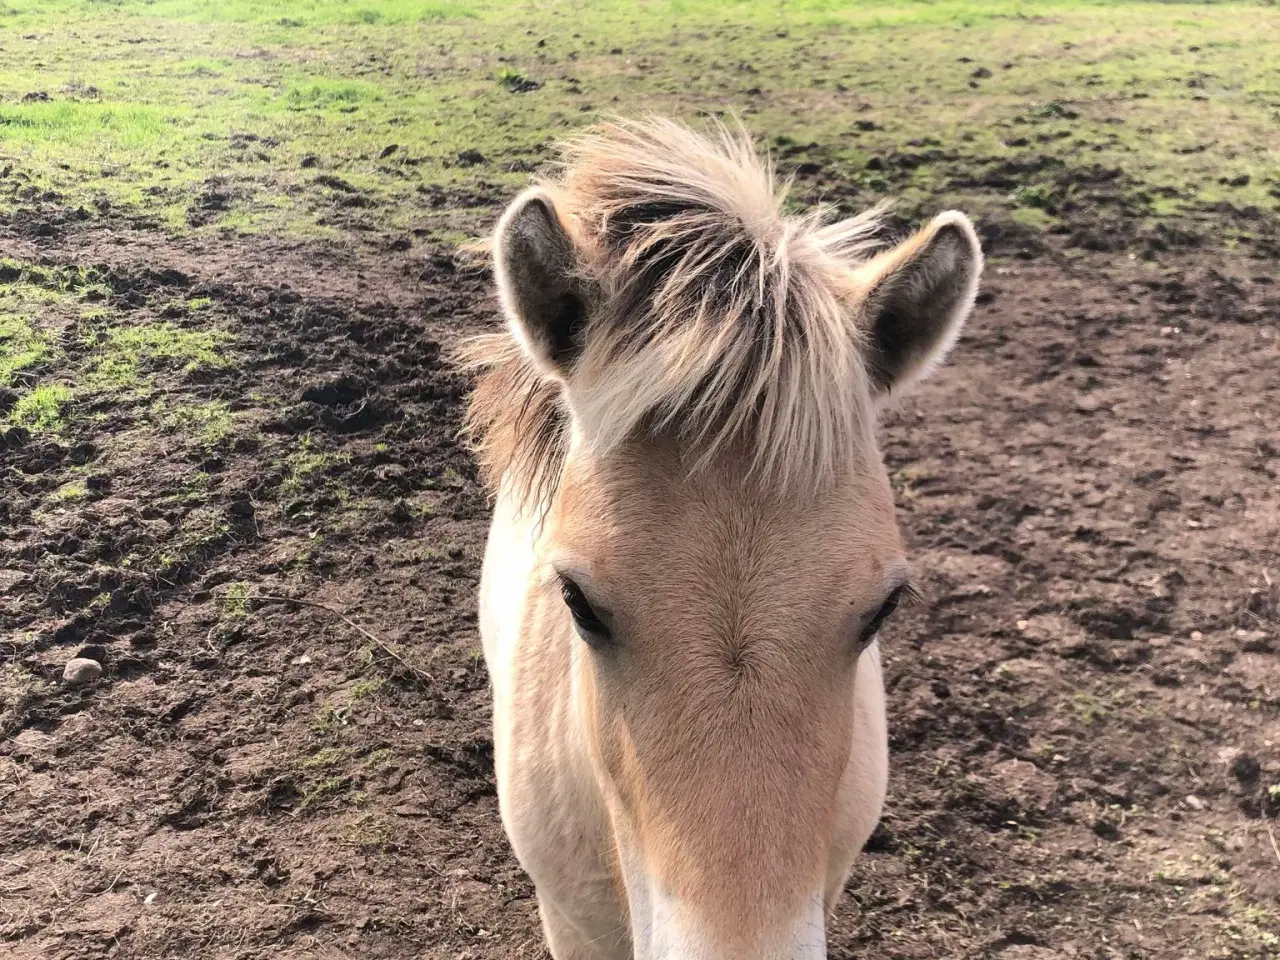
x=1085, y=712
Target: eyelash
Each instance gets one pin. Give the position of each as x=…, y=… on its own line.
x=594, y=632
x=905, y=593
x=588, y=623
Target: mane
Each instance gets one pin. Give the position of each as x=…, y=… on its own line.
x=719, y=318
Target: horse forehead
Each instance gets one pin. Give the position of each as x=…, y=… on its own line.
x=715, y=531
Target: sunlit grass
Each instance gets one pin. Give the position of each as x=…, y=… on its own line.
x=147, y=101
x=125, y=351
x=42, y=409
x=326, y=93
x=68, y=123
x=21, y=347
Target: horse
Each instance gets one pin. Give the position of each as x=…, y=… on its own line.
x=693, y=545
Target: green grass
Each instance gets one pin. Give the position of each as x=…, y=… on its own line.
x=235, y=605
x=124, y=353
x=199, y=536
x=318, y=94
x=325, y=758
x=90, y=128
x=208, y=423
x=63, y=336
x=305, y=471
x=69, y=492
x=42, y=410
x=1089, y=708
x=34, y=302
x=324, y=790
x=22, y=347
x=148, y=99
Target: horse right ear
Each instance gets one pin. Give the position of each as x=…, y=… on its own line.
x=545, y=301
x=918, y=296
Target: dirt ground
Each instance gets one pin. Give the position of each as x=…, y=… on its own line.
x=1085, y=714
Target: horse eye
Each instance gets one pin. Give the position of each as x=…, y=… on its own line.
x=886, y=610
x=589, y=625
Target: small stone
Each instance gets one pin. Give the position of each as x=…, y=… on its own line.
x=1023, y=624
x=1194, y=802
x=81, y=670
x=301, y=661
x=1088, y=404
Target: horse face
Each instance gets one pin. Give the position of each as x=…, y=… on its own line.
x=719, y=631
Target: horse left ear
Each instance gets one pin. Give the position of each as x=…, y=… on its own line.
x=918, y=296
x=536, y=266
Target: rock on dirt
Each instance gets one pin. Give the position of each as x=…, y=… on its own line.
x=81, y=670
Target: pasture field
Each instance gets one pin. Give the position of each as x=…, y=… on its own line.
x=232, y=273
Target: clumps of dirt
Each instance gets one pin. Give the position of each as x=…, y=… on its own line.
x=1085, y=206
x=514, y=82
x=35, y=213
x=479, y=195
x=152, y=553
x=274, y=561
x=335, y=183
x=215, y=198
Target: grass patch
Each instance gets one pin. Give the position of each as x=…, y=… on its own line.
x=22, y=347
x=200, y=536
x=102, y=128
x=319, y=94
x=208, y=423
x=126, y=351
x=235, y=605
x=370, y=831
x=70, y=492
x=364, y=689
x=324, y=790
x=328, y=720
x=325, y=758
x=42, y=410
x=305, y=475
x=1089, y=708
x=1178, y=97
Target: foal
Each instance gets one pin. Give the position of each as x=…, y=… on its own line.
x=693, y=544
